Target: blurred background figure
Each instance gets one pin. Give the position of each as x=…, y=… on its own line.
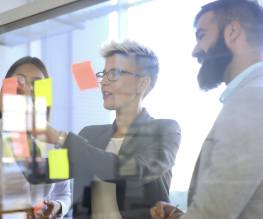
x=57, y=196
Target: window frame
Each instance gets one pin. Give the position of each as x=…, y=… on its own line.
x=40, y=10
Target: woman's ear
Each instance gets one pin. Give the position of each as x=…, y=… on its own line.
x=143, y=84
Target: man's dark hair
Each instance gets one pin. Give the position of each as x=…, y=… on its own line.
x=247, y=13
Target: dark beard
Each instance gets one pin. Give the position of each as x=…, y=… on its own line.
x=218, y=57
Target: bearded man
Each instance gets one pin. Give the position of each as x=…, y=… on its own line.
x=228, y=179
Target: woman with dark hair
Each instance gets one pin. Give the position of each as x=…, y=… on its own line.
x=15, y=187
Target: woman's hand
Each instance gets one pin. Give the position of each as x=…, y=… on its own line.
x=162, y=210
x=49, y=134
x=53, y=207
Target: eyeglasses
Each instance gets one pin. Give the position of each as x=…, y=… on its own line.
x=21, y=83
x=113, y=74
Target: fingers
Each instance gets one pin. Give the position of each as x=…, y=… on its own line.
x=158, y=212
x=42, y=216
x=160, y=209
x=154, y=214
x=176, y=215
x=53, y=208
x=49, y=203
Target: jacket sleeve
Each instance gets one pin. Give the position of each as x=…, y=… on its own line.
x=227, y=185
x=145, y=166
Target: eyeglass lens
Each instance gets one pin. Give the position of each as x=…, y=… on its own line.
x=21, y=82
x=112, y=75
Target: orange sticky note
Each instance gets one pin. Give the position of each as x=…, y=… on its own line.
x=39, y=207
x=9, y=86
x=20, y=144
x=84, y=75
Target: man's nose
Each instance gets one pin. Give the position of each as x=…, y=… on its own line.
x=196, y=51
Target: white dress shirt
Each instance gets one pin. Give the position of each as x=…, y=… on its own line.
x=103, y=194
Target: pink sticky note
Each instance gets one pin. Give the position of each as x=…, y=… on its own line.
x=84, y=75
x=20, y=144
x=9, y=86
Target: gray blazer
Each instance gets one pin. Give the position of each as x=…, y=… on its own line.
x=227, y=180
x=141, y=170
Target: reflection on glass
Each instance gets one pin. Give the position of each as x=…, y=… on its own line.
x=14, y=113
x=75, y=37
x=41, y=113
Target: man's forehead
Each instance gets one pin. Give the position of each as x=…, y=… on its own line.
x=205, y=21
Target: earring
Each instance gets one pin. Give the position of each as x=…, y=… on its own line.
x=138, y=92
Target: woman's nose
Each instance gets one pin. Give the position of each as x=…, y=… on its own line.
x=104, y=80
x=28, y=90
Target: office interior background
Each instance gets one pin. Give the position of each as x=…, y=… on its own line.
x=164, y=25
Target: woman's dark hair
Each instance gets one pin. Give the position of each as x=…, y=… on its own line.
x=25, y=60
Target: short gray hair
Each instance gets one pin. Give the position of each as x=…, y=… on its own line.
x=145, y=60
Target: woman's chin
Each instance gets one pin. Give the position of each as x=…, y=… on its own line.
x=109, y=107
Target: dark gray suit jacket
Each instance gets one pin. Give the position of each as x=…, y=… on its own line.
x=141, y=170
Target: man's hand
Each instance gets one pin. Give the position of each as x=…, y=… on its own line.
x=162, y=210
x=53, y=207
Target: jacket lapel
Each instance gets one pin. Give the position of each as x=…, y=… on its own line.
x=139, y=121
x=105, y=138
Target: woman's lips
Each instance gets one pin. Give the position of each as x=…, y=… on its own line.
x=106, y=95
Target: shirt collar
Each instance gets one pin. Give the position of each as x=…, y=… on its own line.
x=237, y=80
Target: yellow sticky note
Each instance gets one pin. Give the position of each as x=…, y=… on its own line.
x=43, y=88
x=58, y=164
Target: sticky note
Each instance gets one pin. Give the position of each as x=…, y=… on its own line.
x=43, y=88
x=9, y=86
x=20, y=144
x=84, y=75
x=58, y=164
x=14, y=112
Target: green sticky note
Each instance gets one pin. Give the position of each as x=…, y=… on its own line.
x=43, y=88
x=58, y=164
